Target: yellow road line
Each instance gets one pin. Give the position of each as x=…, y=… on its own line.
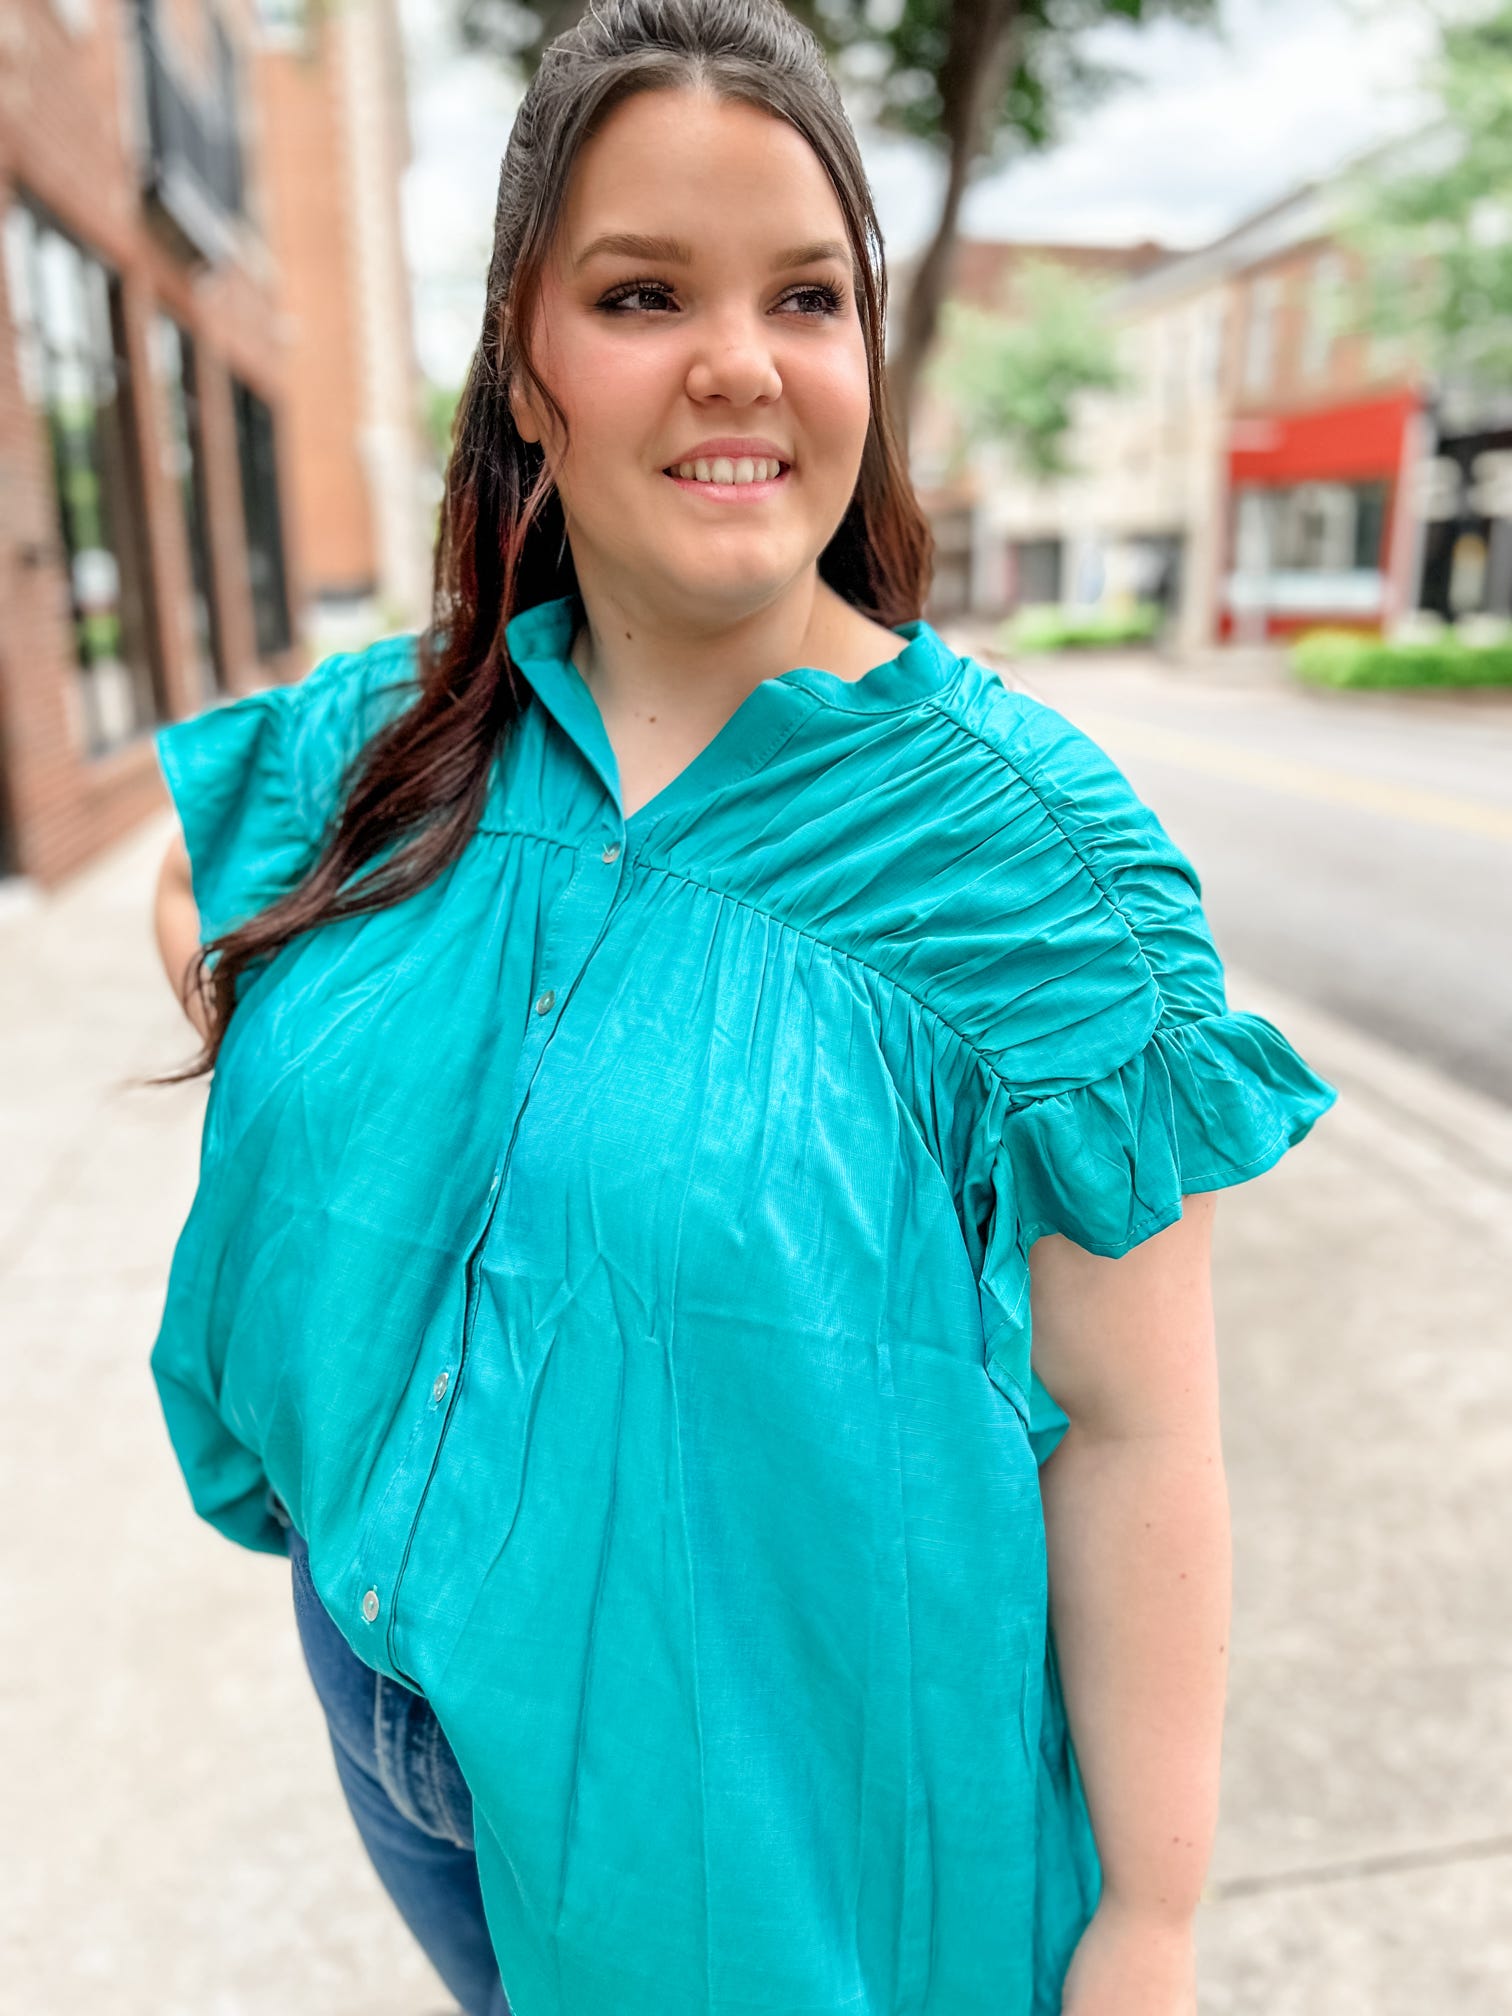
x=1299, y=779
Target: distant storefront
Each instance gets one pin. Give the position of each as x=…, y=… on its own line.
x=1036, y=571
x=1313, y=531
x=951, y=590
x=1467, y=532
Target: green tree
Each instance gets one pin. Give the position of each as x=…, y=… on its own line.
x=980, y=82
x=438, y=411
x=1017, y=380
x=1431, y=218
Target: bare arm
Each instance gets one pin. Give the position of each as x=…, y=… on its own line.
x=1137, y=1529
x=176, y=924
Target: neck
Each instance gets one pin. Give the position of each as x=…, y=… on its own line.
x=638, y=665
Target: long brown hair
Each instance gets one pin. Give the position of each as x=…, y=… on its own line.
x=502, y=540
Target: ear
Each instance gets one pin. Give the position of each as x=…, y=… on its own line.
x=520, y=408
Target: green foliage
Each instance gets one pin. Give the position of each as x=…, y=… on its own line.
x=1017, y=380
x=891, y=57
x=1050, y=626
x=1435, y=229
x=439, y=409
x=902, y=79
x=1345, y=658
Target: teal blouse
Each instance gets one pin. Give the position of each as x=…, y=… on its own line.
x=615, y=1256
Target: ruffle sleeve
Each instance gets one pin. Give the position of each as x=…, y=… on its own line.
x=1142, y=1085
x=1204, y=1103
x=229, y=771
x=255, y=780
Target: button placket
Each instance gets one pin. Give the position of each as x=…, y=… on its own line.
x=572, y=933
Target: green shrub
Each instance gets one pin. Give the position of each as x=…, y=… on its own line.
x=1050, y=626
x=1345, y=658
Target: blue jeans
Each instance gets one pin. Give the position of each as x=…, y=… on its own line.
x=408, y=1797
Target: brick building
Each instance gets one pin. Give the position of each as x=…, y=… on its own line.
x=1257, y=470
x=335, y=105
x=1325, y=434
x=171, y=323
x=979, y=562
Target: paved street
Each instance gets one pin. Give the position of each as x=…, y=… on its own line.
x=178, y=1842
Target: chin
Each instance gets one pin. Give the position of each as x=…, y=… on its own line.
x=746, y=567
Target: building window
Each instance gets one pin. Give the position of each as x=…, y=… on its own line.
x=265, y=550
x=1311, y=549
x=1325, y=302
x=1330, y=527
x=1260, y=334
x=1170, y=347
x=71, y=346
x=1212, y=327
x=1036, y=571
x=284, y=23
x=228, y=100
x=178, y=383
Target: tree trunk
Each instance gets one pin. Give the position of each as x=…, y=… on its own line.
x=972, y=82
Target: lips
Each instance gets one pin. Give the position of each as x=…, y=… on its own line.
x=733, y=448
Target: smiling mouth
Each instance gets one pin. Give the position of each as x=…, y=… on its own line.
x=755, y=488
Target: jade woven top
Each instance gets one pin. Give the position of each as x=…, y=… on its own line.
x=615, y=1258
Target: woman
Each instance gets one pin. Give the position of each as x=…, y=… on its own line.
x=626, y=1210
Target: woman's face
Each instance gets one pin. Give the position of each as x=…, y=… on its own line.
x=740, y=324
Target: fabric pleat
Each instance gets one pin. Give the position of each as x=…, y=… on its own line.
x=616, y=1257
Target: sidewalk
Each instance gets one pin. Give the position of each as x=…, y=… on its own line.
x=180, y=1847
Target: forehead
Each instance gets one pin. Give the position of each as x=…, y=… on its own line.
x=722, y=177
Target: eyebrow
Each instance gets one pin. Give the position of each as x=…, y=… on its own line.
x=637, y=245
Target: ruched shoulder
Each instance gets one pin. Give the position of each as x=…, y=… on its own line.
x=1138, y=1083
x=256, y=780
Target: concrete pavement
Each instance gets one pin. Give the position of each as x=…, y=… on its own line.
x=178, y=1844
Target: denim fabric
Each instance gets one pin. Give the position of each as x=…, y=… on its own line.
x=408, y=1797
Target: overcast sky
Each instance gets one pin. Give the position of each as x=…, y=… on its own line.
x=1216, y=125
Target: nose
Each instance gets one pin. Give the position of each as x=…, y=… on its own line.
x=736, y=363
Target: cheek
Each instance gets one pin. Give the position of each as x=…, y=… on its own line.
x=830, y=388
x=614, y=388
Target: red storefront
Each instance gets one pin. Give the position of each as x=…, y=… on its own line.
x=1318, y=528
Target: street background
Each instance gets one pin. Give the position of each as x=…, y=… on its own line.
x=186, y=1849
x=1213, y=365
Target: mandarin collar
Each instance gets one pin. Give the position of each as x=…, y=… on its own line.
x=540, y=643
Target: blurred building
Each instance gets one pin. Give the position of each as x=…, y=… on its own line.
x=336, y=117
x=1259, y=470
x=1139, y=516
x=987, y=555
x=155, y=399
x=1465, y=501
x=1324, y=439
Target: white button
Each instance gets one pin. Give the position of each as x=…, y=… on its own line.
x=370, y=1605
x=545, y=1002
x=611, y=852
x=440, y=1386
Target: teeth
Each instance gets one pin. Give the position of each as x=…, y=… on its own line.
x=721, y=469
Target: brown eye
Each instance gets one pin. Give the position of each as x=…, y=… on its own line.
x=610, y=302
x=829, y=297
